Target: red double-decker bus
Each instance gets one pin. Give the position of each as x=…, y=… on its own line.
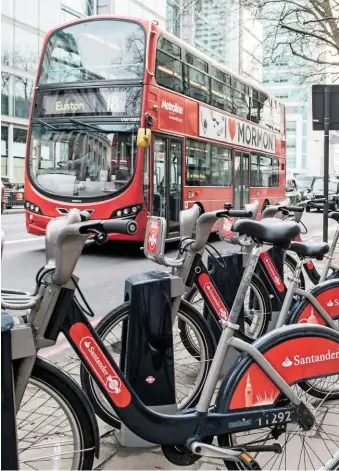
x=215, y=136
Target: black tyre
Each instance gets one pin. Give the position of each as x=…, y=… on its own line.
x=308, y=209
x=53, y=413
x=257, y=307
x=190, y=371
x=322, y=388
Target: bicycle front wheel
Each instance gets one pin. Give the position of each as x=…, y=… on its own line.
x=54, y=428
x=190, y=368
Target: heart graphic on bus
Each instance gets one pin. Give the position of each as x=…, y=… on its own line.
x=232, y=127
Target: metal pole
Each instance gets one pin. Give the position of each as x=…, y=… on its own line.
x=326, y=161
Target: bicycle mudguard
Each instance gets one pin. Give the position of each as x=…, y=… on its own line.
x=327, y=294
x=42, y=363
x=297, y=352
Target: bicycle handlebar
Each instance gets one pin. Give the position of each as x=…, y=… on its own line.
x=66, y=237
x=295, y=209
x=206, y=222
x=116, y=226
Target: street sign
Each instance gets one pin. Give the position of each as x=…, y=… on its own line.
x=318, y=107
x=325, y=114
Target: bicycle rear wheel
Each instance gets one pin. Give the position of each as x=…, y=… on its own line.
x=190, y=370
x=54, y=428
x=257, y=307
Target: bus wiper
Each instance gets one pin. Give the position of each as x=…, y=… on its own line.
x=77, y=121
x=47, y=124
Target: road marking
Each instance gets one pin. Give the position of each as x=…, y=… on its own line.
x=19, y=241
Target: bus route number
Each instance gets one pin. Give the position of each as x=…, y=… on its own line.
x=116, y=102
x=275, y=418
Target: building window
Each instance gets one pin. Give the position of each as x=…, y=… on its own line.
x=19, y=142
x=23, y=92
x=26, y=52
x=197, y=163
x=4, y=141
x=7, y=32
x=173, y=18
x=5, y=93
x=4, y=149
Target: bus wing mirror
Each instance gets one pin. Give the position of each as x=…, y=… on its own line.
x=144, y=137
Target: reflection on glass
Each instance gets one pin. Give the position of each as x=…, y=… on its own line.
x=159, y=177
x=28, y=14
x=174, y=184
x=26, y=50
x=7, y=32
x=4, y=141
x=82, y=162
x=5, y=93
x=95, y=50
x=23, y=92
x=19, y=142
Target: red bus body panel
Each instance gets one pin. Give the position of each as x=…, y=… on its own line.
x=183, y=124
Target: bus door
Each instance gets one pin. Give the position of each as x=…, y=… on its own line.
x=167, y=195
x=241, y=179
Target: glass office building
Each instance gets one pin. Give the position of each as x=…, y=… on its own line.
x=210, y=25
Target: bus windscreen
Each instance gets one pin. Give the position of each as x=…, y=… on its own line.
x=94, y=50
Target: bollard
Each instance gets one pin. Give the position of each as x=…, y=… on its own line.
x=9, y=448
x=147, y=357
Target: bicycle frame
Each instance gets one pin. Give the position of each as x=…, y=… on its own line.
x=57, y=310
x=172, y=429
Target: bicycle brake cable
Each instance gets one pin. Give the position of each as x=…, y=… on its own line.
x=89, y=311
x=223, y=264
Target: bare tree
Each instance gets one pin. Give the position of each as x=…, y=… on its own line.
x=308, y=30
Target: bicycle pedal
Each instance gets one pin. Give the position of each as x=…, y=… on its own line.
x=275, y=448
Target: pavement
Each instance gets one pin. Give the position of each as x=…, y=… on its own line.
x=102, y=272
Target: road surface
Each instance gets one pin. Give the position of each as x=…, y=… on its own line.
x=102, y=270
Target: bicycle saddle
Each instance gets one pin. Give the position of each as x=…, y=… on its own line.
x=270, y=230
x=310, y=249
x=334, y=215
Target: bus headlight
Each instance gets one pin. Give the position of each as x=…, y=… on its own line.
x=127, y=211
x=33, y=208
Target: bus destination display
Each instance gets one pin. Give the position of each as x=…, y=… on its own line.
x=114, y=101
